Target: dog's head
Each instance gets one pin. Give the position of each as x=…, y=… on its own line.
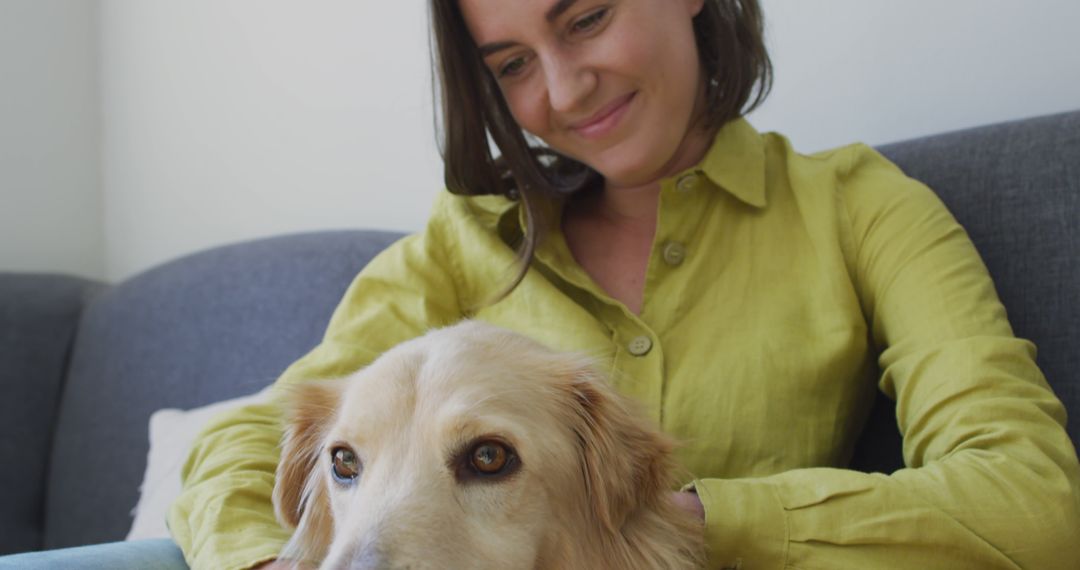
x=470, y=447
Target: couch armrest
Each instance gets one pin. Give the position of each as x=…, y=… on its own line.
x=39, y=315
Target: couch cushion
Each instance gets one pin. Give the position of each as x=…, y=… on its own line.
x=1015, y=187
x=172, y=433
x=38, y=317
x=204, y=328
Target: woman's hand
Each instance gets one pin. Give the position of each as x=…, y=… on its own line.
x=690, y=502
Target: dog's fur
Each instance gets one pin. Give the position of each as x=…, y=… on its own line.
x=591, y=491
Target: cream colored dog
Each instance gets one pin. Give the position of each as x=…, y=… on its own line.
x=475, y=448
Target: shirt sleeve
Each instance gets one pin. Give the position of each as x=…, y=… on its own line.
x=991, y=477
x=224, y=517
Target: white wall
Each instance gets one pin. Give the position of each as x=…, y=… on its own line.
x=879, y=71
x=50, y=197
x=232, y=119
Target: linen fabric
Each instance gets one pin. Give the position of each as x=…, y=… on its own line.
x=800, y=285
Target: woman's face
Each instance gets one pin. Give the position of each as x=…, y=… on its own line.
x=615, y=84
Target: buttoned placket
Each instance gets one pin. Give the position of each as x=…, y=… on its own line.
x=638, y=361
x=640, y=354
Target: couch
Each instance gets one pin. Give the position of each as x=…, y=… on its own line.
x=86, y=363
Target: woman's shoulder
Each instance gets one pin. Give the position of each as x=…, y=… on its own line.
x=470, y=213
x=851, y=168
x=479, y=236
x=841, y=159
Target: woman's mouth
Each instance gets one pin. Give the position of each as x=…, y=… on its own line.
x=605, y=120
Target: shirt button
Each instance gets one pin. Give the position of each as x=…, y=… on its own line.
x=640, y=346
x=686, y=182
x=674, y=253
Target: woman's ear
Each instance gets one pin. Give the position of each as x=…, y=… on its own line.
x=626, y=463
x=300, y=494
x=695, y=6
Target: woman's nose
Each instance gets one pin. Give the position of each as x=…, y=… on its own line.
x=569, y=83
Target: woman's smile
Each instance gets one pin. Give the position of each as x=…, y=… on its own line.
x=604, y=121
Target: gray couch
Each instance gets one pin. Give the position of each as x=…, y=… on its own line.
x=85, y=364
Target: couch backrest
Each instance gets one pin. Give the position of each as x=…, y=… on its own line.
x=1015, y=187
x=38, y=318
x=208, y=327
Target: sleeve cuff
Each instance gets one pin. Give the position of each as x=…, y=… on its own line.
x=241, y=550
x=254, y=558
x=745, y=523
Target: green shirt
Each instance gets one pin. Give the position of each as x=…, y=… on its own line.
x=781, y=292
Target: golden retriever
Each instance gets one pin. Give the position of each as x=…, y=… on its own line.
x=476, y=448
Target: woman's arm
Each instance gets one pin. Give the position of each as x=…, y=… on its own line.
x=992, y=478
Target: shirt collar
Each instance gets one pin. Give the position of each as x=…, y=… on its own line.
x=736, y=162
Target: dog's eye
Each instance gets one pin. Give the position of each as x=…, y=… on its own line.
x=485, y=459
x=346, y=466
x=489, y=458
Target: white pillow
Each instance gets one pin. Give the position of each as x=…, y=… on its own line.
x=172, y=432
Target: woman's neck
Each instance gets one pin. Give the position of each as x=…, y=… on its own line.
x=627, y=206
x=636, y=202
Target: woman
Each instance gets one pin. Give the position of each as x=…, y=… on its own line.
x=745, y=294
x=740, y=291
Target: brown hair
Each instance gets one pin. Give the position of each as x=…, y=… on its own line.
x=731, y=46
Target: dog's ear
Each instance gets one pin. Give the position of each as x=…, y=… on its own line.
x=300, y=494
x=626, y=463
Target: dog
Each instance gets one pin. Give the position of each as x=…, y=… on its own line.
x=473, y=447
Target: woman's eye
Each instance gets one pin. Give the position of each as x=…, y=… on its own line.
x=589, y=22
x=489, y=458
x=346, y=466
x=512, y=67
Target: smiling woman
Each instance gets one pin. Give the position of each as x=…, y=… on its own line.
x=750, y=298
x=570, y=73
